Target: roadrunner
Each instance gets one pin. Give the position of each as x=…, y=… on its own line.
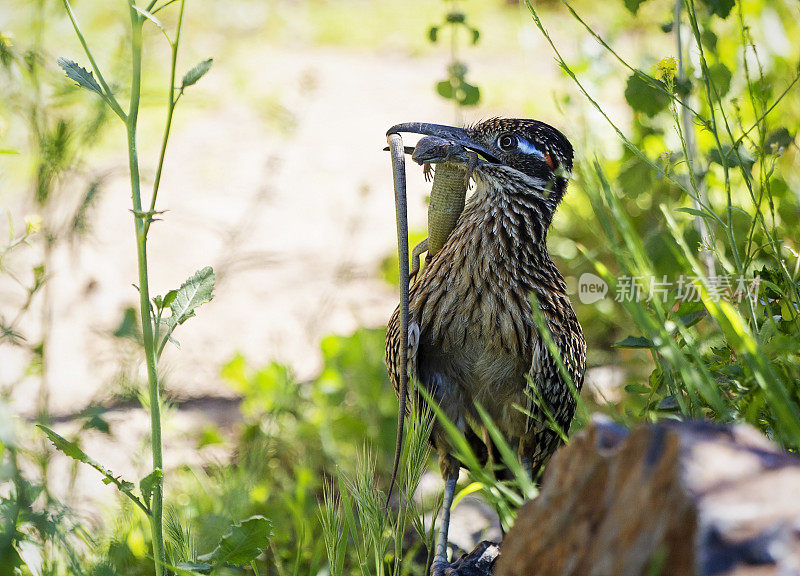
x=472, y=335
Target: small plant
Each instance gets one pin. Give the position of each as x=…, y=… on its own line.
x=728, y=352
x=157, y=327
x=359, y=529
x=455, y=87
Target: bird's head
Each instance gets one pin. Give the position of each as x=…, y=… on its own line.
x=520, y=156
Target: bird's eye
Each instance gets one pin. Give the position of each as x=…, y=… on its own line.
x=507, y=142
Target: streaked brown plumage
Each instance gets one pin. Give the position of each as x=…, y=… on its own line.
x=472, y=337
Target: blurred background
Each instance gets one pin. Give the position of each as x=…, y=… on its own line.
x=276, y=177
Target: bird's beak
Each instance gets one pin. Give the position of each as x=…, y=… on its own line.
x=449, y=133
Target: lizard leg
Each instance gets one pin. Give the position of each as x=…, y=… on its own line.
x=427, y=170
x=471, y=164
x=415, y=254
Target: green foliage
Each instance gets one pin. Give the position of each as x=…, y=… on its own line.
x=633, y=5
x=148, y=484
x=242, y=544
x=358, y=513
x=182, y=303
x=721, y=8
x=292, y=436
x=80, y=75
x=74, y=451
x=195, y=73
x=723, y=355
x=455, y=87
x=643, y=97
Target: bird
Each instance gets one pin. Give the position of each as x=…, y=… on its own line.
x=472, y=335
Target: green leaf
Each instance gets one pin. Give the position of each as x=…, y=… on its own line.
x=635, y=177
x=456, y=17
x=635, y=342
x=471, y=95
x=193, y=75
x=162, y=302
x=129, y=326
x=209, y=436
x=433, y=33
x=476, y=34
x=80, y=75
x=94, y=419
x=689, y=320
x=169, y=297
x=633, y=5
x=778, y=140
x=445, y=89
x=644, y=97
x=721, y=77
x=721, y=8
x=152, y=19
x=193, y=293
x=682, y=87
x=709, y=40
x=695, y=212
x=242, y=544
x=466, y=491
x=729, y=158
x=634, y=388
x=73, y=451
x=8, y=151
x=149, y=483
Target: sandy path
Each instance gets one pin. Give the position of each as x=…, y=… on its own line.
x=295, y=222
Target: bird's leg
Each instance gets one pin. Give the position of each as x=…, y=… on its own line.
x=527, y=464
x=525, y=449
x=440, y=562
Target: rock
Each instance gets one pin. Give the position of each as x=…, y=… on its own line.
x=479, y=562
x=671, y=499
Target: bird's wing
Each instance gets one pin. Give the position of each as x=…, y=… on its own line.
x=552, y=398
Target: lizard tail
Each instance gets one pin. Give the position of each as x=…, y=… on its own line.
x=401, y=206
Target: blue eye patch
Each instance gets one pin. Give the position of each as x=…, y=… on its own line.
x=527, y=148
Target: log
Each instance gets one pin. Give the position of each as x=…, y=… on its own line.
x=671, y=499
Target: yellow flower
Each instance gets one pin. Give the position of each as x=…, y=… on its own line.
x=33, y=223
x=666, y=69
